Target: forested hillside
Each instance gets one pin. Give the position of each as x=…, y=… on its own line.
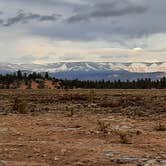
x=20, y=80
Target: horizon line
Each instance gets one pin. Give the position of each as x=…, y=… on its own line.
x=79, y=62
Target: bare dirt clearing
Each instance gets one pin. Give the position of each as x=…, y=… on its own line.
x=83, y=127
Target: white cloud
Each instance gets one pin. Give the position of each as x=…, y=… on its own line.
x=44, y=50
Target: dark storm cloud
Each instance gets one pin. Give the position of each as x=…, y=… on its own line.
x=22, y=17
x=41, y=3
x=127, y=19
x=1, y=21
x=117, y=20
x=107, y=9
x=52, y=17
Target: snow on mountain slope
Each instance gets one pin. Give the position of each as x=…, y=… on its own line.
x=86, y=66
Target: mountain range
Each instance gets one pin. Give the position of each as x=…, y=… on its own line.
x=92, y=70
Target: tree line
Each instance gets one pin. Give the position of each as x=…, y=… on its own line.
x=16, y=78
x=19, y=77
x=135, y=84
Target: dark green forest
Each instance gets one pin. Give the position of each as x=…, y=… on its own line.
x=19, y=77
x=6, y=80
x=137, y=84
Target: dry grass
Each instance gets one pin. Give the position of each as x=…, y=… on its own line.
x=134, y=103
x=75, y=127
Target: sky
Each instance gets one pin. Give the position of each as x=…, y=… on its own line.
x=48, y=31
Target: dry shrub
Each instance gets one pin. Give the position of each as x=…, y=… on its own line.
x=70, y=110
x=132, y=101
x=20, y=106
x=113, y=103
x=125, y=137
x=103, y=127
x=79, y=97
x=160, y=127
x=74, y=97
x=91, y=96
x=134, y=111
x=123, y=102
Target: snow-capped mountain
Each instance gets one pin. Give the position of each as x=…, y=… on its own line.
x=87, y=66
x=93, y=70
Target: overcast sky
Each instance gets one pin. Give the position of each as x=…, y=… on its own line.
x=47, y=31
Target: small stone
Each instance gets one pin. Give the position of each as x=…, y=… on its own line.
x=63, y=151
x=56, y=158
x=44, y=155
x=155, y=163
x=2, y=163
x=109, y=153
x=79, y=163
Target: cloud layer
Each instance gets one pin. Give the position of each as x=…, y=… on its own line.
x=22, y=17
x=106, y=9
x=43, y=31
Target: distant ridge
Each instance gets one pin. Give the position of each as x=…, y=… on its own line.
x=93, y=70
x=140, y=67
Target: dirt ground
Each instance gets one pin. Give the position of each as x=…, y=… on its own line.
x=83, y=128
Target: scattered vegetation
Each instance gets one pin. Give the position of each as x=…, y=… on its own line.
x=120, y=119
x=132, y=103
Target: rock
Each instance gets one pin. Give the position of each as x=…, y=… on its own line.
x=56, y=158
x=12, y=129
x=44, y=155
x=156, y=163
x=129, y=160
x=2, y=163
x=79, y=163
x=4, y=129
x=15, y=131
x=109, y=153
x=3, y=112
x=63, y=151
